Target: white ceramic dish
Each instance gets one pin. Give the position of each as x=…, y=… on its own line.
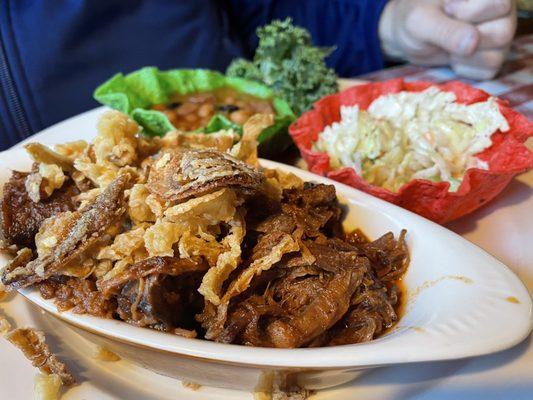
x=462, y=303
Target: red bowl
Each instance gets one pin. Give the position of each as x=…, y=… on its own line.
x=507, y=156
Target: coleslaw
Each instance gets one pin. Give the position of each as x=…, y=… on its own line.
x=412, y=135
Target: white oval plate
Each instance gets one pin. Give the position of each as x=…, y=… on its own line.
x=459, y=305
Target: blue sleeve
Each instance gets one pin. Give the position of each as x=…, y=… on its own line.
x=53, y=54
x=350, y=25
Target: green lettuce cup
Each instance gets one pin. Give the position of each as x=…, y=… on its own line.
x=135, y=94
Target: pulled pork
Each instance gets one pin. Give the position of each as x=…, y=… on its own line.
x=197, y=241
x=21, y=217
x=326, y=294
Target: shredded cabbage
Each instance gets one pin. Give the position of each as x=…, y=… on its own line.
x=412, y=135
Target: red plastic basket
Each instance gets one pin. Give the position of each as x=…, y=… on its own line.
x=507, y=156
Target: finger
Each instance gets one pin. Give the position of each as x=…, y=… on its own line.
x=476, y=11
x=483, y=64
x=497, y=33
x=419, y=52
x=432, y=26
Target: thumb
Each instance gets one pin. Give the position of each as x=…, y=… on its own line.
x=431, y=25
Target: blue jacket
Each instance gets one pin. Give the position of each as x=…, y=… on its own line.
x=53, y=53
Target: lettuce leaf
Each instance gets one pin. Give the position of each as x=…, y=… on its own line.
x=135, y=93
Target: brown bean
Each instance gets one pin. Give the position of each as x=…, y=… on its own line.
x=239, y=117
x=229, y=99
x=191, y=117
x=187, y=108
x=189, y=112
x=206, y=110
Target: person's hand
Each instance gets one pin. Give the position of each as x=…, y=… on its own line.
x=472, y=36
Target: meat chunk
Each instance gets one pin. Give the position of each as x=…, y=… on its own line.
x=389, y=256
x=372, y=307
x=372, y=311
x=152, y=266
x=21, y=217
x=313, y=210
x=312, y=195
x=155, y=301
x=334, y=254
x=270, y=249
x=78, y=295
x=181, y=174
x=86, y=229
x=300, y=305
x=159, y=292
x=329, y=303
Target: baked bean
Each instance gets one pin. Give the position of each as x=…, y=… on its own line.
x=206, y=110
x=229, y=100
x=186, y=108
x=194, y=111
x=191, y=117
x=239, y=117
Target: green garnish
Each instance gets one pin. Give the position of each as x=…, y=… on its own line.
x=287, y=62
